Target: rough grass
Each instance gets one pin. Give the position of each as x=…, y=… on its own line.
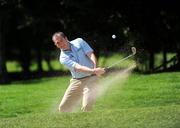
x=143, y=101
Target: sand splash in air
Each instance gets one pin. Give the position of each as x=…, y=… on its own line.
x=115, y=78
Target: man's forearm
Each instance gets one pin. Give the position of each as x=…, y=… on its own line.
x=84, y=69
x=93, y=58
x=96, y=71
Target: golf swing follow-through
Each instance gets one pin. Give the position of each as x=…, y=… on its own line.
x=80, y=59
x=133, y=49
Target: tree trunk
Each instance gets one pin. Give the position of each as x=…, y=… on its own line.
x=151, y=61
x=39, y=60
x=3, y=70
x=178, y=57
x=164, y=58
x=25, y=61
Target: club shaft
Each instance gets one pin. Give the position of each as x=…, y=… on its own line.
x=120, y=61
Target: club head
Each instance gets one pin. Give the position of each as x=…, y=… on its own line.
x=133, y=49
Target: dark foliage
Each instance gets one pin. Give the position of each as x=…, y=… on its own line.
x=153, y=26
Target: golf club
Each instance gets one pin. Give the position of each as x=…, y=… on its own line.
x=133, y=49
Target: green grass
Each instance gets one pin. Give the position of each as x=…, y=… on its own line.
x=159, y=59
x=14, y=66
x=113, y=58
x=142, y=101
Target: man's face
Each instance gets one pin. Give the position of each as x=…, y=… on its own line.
x=61, y=42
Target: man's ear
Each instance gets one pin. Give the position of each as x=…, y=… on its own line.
x=66, y=38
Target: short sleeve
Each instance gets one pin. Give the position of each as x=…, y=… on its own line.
x=85, y=46
x=70, y=64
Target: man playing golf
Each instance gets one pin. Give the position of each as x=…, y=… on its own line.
x=79, y=58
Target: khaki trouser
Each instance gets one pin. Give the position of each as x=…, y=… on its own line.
x=86, y=88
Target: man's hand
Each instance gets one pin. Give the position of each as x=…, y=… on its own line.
x=99, y=71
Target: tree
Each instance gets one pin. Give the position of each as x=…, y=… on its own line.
x=3, y=71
